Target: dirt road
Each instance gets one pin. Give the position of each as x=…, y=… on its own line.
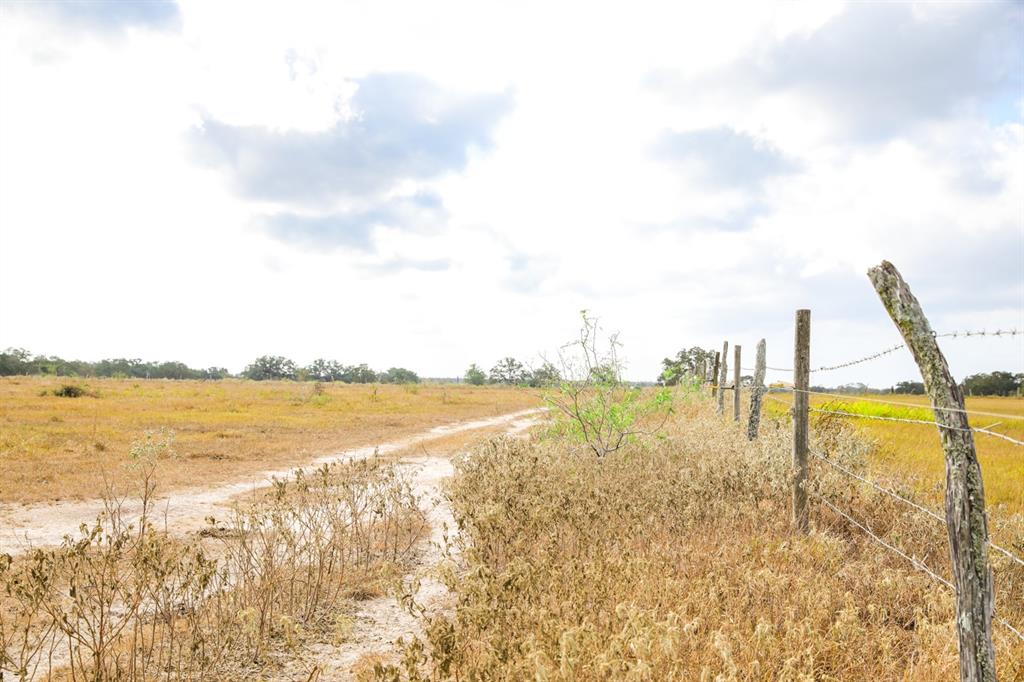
x=25, y=526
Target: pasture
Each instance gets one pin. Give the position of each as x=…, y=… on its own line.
x=911, y=453
x=673, y=558
x=55, y=448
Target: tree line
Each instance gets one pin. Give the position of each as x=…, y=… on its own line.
x=18, y=361
x=512, y=372
x=687, y=361
x=276, y=367
x=507, y=371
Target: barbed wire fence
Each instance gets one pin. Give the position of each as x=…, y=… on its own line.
x=950, y=416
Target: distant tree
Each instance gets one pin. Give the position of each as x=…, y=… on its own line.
x=270, y=367
x=122, y=367
x=509, y=371
x=475, y=376
x=174, y=370
x=994, y=383
x=684, y=363
x=545, y=375
x=909, y=387
x=399, y=375
x=15, y=361
x=213, y=373
x=358, y=374
x=325, y=370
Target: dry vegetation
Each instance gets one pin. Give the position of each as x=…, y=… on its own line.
x=669, y=559
x=675, y=560
x=126, y=601
x=55, y=448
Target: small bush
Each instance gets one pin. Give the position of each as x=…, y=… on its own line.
x=69, y=391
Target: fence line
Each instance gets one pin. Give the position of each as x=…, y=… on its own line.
x=887, y=351
x=972, y=578
x=915, y=505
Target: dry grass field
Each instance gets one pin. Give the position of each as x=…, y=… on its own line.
x=670, y=559
x=60, y=448
x=912, y=454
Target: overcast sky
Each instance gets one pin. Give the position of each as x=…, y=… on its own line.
x=433, y=184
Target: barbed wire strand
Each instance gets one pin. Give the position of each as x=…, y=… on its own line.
x=999, y=435
x=788, y=389
x=893, y=349
x=917, y=421
x=843, y=413
x=893, y=494
x=1009, y=627
x=914, y=561
x=767, y=396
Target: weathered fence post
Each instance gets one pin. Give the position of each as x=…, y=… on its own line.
x=801, y=382
x=722, y=376
x=736, y=385
x=754, y=420
x=714, y=375
x=965, y=494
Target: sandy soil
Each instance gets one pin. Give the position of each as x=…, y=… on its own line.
x=25, y=526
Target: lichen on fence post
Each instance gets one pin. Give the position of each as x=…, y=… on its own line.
x=801, y=382
x=714, y=375
x=756, y=391
x=723, y=375
x=965, y=495
x=736, y=366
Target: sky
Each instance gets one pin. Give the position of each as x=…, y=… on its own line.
x=434, y=184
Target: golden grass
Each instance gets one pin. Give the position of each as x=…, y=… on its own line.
x=56, y=448
x=675, y=560
x=912, y=453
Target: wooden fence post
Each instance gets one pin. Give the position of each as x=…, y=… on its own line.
x=801, y=383
x=736, y=385
x=754, y=421
x=965, y=494
x=714, y=375
x=722, y=376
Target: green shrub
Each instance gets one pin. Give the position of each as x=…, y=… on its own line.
x=69, y=391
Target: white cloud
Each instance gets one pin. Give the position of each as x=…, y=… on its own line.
x=114, y=240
